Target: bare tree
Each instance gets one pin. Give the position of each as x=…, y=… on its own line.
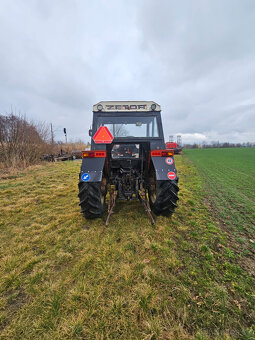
x=21, y=142
x=118, y=130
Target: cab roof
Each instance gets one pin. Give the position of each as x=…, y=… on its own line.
x=125, y=106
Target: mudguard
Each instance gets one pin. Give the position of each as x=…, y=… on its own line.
x=92, y=169
x=164, y=168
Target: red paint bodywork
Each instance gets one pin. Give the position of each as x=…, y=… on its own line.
x=171, y=145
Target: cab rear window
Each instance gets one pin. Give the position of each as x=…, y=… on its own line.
x=130, y=126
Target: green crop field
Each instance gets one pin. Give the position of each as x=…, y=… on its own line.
x=62, y=277
x=229, y=177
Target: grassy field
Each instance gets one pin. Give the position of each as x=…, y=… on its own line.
x=229, y=177
x=62, y=277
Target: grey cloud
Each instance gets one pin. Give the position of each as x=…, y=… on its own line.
x=196, y=58
x=205, y=49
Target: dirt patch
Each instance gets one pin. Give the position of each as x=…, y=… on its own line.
x=15, y=301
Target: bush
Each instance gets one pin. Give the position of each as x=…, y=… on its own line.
x=21, y=142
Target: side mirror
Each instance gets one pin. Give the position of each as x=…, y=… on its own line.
x=90, y=132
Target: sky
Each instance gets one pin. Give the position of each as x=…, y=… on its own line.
x=195, y=58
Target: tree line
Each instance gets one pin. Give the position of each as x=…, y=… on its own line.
x=24, y=142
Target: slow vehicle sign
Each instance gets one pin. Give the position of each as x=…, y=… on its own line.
x=103, y=136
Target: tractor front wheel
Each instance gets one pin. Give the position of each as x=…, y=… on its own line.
x=92, y=199
x=163, y=196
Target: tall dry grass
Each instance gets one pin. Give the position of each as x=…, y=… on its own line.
x=69, y=147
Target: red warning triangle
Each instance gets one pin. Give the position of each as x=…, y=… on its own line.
x=103, y=136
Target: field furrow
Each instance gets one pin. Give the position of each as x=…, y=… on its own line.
x=231, y=191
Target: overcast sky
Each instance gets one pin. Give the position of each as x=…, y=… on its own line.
x=195, y=58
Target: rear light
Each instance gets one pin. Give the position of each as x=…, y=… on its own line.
x=167, y=153
x=93, y=154
x=162, y=153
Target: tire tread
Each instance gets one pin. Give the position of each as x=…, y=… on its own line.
x=166, y=197
x=90, y=199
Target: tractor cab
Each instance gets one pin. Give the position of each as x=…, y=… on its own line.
x=129, y=122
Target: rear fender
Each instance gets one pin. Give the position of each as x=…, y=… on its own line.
x=164, y=168
x=92, y=169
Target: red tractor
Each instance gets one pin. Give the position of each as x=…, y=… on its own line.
x=177, y=149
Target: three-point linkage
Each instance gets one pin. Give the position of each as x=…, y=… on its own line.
x=142, y=198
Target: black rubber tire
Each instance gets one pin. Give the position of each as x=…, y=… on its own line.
x=163, y=199
x=92, y=199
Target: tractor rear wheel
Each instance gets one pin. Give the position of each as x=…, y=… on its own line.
x=163, y=196
x=92, y=198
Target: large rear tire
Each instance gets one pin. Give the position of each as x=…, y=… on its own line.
x=163, y=196
x=92, y=199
